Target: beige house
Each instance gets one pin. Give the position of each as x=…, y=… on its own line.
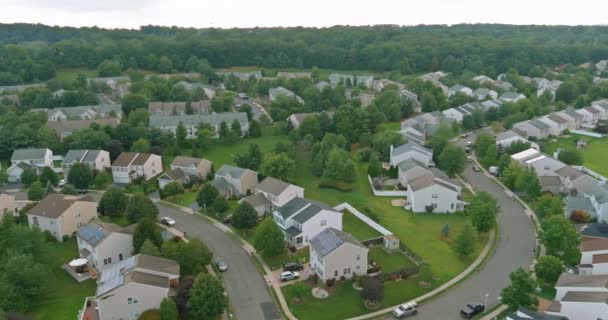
x=105, y=244
x=65, y=128
x=335, y=254
x=98, y=160
x=131, y=165
x=278, y=192
x=62, y=215
x=184, y=169
x=132, y=286
x=233, y=181
x=8, y=205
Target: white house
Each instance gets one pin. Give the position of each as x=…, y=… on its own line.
x=555, y=127
x=511, y=96
x=594, y=256
x=484, y=93
x=574, y=118
x=274, y=93
x=98, y=160
x=533, y=128
x=104, y=244
x=131, y=165
x=411, y=150
x=301, y=219
x=335, y=254
x=354, y=80
x=278, y=192
x=36, y=157
x=505, y=139
x=525, y=314
x=590, y=116
x=543, y=165
x=580, y=296
x=457, y=114
x=192, y=122
x=83, y=112
x=459, y=89
x=410, y=169
x=427, y=192
x=132, y=286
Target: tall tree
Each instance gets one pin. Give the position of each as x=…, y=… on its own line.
x=180, y=135
x=452, y=160
x=483, y=210
x=549, y=205
x=250, y=160
x=548, y=269
x=269, y=240
x=146, y=229
x=374, y=169
x=47, y=175
x=36, y=191
x=80, y=175
x=28, y=176
x=277, y=165
x=521, y=291
x=206, y=195
x=141, y=207
x=192, y=256
x=561, y=239
x=207, y=298
x=464, y=243
x=244, y=216
x=168, y=310
x=113, y=202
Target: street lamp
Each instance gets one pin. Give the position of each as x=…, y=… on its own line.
x=485, y=305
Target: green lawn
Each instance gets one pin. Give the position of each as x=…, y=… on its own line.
x=184, y=200
x=391, y=126
x=71, y=74
x=357, y=228
x=65, y=296
x=389, y=261
x=223, y=153
x=594, y=154
x=301, y=256
x=345, y=302
x=120, y=220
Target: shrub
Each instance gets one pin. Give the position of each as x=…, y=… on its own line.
x=579, y=216
x=172, y=189
x=340, y=186
x=373, y=289
x=330, y=282
x=408, y=272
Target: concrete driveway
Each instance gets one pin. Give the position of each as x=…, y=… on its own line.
x=514, y=248
x=249, y=294
x=304, y=274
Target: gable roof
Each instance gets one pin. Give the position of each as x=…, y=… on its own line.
x=54, y=205
x=539, y=124
x=586, y=296
x=404, y=148
x=181, y=161
x=510, y=95
x=330, y=239
x=573, y=114
x=557, y=119
x=81, y=156
x=593, y=244
x=525, y=314
x=65, y=126
x=570, y=172
x=272, y=186
x=597, y=230
x=506, y=135
x=301, y=209
x=232, y=171
x=28, y=154
x=133, y=158
x=213, y=119
x=579, y=280
x=256, y=200
x=95, y=232
x=410, y=164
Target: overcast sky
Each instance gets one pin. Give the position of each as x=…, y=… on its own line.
x=320, y=13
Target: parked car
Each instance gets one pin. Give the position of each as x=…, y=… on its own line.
x=472, y=309
x=476, y=169
x=289, y=275
x=467, y=149
x=221, y=265
x=293, y=266
x=227, y=219
x=167, y=221
x=464, y=135
x=61, y=183
x=405, y=310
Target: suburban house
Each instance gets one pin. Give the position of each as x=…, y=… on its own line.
x=590, y=116
x=591, y=195
x=484, y=93
x=83, y=112
x=580, y=296
x=301, y=220
x=428, y=193
x=273, y=93
x=65, y=128
x=457, y=114
x=257, y=200
x=179, y=108
x=294, y=75
x=594, y=256
x=459, y=89
x=23, y=159
x=411, y=150
x=556, y=123
x=335, y=255
x=183, y=169
x=242, y=75
x=482, y=79
x=511, y=96
x=552, y=184
x=505, y=139
x=380, y=84
x=533, y=128
x=433, y=77
x=21, y=87
x=278, y=192
x=423, y=126
x=407, y=94
x=574, y=118
x=62, y=215
x=104, y=244
x=130, y=166
x=543, y=165
x=192, y=88
x=601, y=66
x=524, y=314
x=132, y=286
x=296, y=119
x=354, y=80
x=233, y=181
x=8, y=205
x=98, y=160
x=192, y=122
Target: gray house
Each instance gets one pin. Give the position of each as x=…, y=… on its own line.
x=233, y=181
x=192, y=122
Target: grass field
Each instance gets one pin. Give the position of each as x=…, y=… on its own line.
x=65, y=296
x=184, y=200
x=389, y=261
x=594, y=154
x=71, y=74
x=357, y=228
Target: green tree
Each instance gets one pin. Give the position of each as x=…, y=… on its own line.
x=24, y=280
x=548, y=205
x=452, y=160
x=109, y=68
x=206, y=195
x=224, y=131
x=180, y=135
x=141, y=145
x=131, y=102
x=374, y=169
x=207, y=298
x=561, y=239
x=141, y=207
x=483, y=210
x=269, y=239
x=464, y=244
x=102, y=180
x=36, y=191
x=69, y=189
x=113, y=202
x=428, y=102
x=244, y=216
x=482, y=142
x=373, y=289
x=220, y=205
x=277, y=165
x=491, y=156
x=168, y=310
x=150, y=249
x=548, y=269
x=203, y=138
x=80, y=175
x=28, y=176
x=192, y=255
x=235, y=128
x=528, y=182
x=511, y=173
x=250, y=160
x=146, y=229
x=521, y=291
x=571, y=157
x=339, y=167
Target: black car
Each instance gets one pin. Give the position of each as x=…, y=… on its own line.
x=472, y=309
x=292, y=266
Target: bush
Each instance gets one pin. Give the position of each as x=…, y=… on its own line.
x=330, y=282
x=171, y=189
x=220, y=205
x=152, y=314
x=365, y=153
x=102, y=180
x=579, y=216
x=408, y=272
x=340, y=186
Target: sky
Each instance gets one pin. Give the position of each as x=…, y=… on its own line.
x=307, y=13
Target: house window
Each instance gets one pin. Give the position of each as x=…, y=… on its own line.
x=120, y=256
x=323, y=223
x=547, y=167
x=452, y=206
x=434, y=205
x=107, y=261
x=358, y=257
x=335, y=273
x=435, y=196
x=132, y=300
x=35, y=220
x=357, y=267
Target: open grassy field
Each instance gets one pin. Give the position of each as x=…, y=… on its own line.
x=357, y=228
x=65, y=296
x=594, y=154
x=71, y=74
x=389, y=261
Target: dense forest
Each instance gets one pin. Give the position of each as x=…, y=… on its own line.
x=32, y=53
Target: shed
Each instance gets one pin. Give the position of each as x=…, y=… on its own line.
x=391, y=242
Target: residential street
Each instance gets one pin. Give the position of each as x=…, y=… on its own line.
x=514, y=249
x=244, y=284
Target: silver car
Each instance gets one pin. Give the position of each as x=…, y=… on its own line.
x=221, y=265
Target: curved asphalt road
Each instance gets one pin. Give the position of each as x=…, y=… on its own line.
x=249, y=296
x=514, y=248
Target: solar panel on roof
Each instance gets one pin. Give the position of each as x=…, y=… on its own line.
x=91, y=234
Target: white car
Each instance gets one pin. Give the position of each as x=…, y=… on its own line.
x=61, y=183
x=289, y=275
x=221, y=265
x=167, y=221
x=405, y=310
